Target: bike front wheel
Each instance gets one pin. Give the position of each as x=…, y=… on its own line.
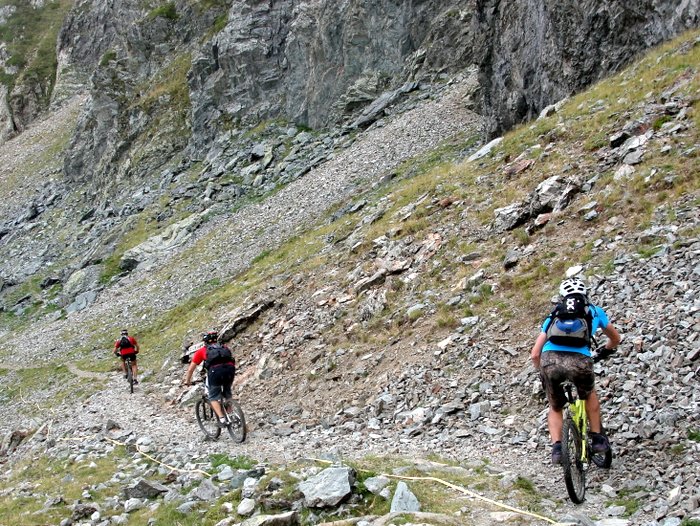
x=207, y=419
x=574, y=469
x=236, y=421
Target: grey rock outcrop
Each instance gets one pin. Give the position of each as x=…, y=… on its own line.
x=404, y=499
x=328, y=488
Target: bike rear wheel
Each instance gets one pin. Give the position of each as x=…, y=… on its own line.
x=236, y=421
x=207, y=419
x=574, y=469
x=129, y=375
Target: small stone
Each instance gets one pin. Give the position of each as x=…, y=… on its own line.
x=246, y=507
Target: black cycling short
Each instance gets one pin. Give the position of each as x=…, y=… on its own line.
x=558, y=366
x=132, y=356
x=220, y=379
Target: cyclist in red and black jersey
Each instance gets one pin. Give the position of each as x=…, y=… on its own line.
x=220, y=368
x=127, y=346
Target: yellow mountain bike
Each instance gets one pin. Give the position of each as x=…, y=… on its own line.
x=576, y=448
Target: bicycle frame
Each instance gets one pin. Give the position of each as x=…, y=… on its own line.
x=577, y=410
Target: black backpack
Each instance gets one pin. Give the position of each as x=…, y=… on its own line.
x=125, y=343
x=216, y=355
x=570, y=322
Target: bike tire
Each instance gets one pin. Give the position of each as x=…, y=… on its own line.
x=207, y=419
x=236, y=421
x=129, y=375
x=574, y=470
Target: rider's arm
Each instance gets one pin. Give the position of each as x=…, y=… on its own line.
x=537, y=349
x=190, y=371
x=136, y=345
x=198, y=357
x=614, y=337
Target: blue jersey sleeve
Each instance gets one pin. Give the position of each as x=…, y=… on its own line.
x=600, y=318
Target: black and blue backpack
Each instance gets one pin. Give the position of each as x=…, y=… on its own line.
x=571, y=322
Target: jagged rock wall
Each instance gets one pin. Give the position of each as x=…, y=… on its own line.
x=533, y=53
x=319, y=60
x=313, y=62
x=300, y=60
x=317, y=63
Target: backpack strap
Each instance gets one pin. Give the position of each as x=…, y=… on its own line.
x=589, y=319
x=550, y=318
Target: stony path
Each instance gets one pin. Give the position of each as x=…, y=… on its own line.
x=172, y=434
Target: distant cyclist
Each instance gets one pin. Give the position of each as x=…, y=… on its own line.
x=127, y=346
x=219, y=364
x=562, y=352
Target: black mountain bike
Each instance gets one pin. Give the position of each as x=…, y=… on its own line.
x=576, y=447
x=209, y=422
x=129, y=372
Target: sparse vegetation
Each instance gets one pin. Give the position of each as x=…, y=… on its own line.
x=55, y=478
x=30, y=33
x=168, y=11
x=677, y=449
x=628, y=500
x=238, y=462
x=108, y=57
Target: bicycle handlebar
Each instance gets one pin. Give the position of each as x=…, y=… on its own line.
x=601, y=353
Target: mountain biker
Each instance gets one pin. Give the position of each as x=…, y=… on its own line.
x=220, y=368
x=558, y=362
x=127, y=346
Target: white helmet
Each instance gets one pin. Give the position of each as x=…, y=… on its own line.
x=572, y=286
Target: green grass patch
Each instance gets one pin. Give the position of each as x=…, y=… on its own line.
x=694, y=435
x=446, y=317
x=677, y=450
x=24, y=382
x=30, y=34
x=525, y=485
x=54, y=478
x=630, y=499
x=168, y=11
x=169, y=86
x=109, y=56
x=133, y=232
x=648, y=251
x=237, y=462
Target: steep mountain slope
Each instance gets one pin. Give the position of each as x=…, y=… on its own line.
x=194, y=103
x=401, y=322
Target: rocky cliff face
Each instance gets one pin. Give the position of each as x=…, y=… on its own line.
x=318, y=63
x=532, y=53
